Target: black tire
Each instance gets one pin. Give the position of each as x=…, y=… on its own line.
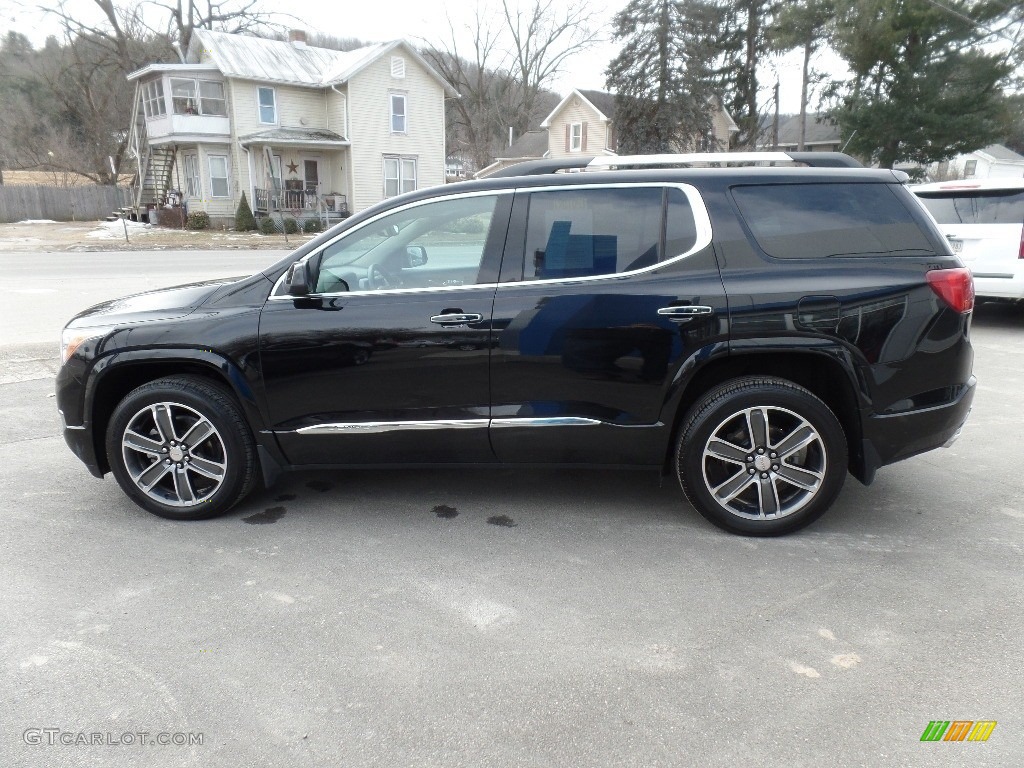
x=760, y=487
x=189, y=482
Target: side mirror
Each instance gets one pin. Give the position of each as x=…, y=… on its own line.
x=298, y=280
x=415, y=256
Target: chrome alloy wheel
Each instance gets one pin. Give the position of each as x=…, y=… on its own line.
x=174, y=454
x=764, y=462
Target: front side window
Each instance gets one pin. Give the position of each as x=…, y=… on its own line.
x=183, y=96
x=399, y=175
x=431, y=245
x=193, y=185
x=576, y=137
x=398, y=117
x=218, y=176
x=267, y=105
x=811, y=221
x=590, y=232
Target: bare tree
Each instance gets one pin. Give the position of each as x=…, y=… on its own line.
x=544, y=37
x=502, y=72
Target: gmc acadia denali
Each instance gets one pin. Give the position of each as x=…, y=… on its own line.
x=758, y=324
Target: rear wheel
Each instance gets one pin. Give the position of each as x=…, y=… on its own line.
x=761, y=456
x=180, y=448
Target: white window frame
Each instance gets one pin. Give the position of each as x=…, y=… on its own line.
x=213, y=178
x=193, y=181
x=223, y=98
x=404, y=114
x=403, y=180
x=575, y=137
x=153, y=103
x=260, y=106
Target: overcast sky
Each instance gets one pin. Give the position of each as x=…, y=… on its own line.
x=414, y=19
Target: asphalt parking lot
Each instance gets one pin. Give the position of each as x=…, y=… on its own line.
x=511, y=618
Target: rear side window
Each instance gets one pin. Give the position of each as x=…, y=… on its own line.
x=811, y=221
x=591, y=232
x=1004, y=206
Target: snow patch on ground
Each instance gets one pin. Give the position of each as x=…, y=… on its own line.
x=114, y=230
x=36, y=221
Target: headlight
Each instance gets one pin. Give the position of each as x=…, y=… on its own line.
x=72, y=338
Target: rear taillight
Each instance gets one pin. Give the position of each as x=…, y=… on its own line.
x=954, y=286
x=1020, y=251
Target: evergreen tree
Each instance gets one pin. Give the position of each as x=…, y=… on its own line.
x=662, y=77
x=922, y=89
x=743, y=42
x=804, y=25
x=244, y=220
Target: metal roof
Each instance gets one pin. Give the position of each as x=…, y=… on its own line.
x=276, y=61
x=1001, y=153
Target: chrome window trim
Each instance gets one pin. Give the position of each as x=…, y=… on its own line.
x=702, y=225
x=378, y=427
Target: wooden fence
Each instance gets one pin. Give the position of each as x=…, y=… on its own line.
x=85, y=203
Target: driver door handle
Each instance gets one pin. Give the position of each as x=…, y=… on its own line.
x=685, y=312
x=456, y=319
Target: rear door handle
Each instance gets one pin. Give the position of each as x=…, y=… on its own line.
x=685, y=312
x=456, y=319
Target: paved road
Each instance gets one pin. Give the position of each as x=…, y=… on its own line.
x=513, y=618
x=43, y=291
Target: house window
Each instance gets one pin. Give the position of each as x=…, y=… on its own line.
x=398, y=121
x=198, y=97
x=267, y=104
x=397, y=67
x=399, y=175
x=970, y=168
x=183, y=96
x=218, y=176
x=153, y=99
x=576, y=137
x=211, y=98
x=193, y=184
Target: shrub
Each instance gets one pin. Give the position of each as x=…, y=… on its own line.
x=267, y=226
x=311, y=225
x=244, y=220
x=291, y=226
x=198, y=220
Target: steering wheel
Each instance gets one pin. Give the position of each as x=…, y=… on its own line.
x=377, y=278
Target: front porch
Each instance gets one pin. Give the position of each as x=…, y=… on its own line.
x=300, y=174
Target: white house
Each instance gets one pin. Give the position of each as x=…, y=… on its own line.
x=301, y=130
x=583, y=123
x=991, y=162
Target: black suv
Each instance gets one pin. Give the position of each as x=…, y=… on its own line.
x=758, y=330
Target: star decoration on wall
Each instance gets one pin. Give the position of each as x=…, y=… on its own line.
x=293, y=167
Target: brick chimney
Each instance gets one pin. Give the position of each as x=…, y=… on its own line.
x=297, y=37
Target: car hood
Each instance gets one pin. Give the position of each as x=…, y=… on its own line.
x=163, y=304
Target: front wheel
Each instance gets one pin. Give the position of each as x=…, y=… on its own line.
x=761, y=456
x=179, y=447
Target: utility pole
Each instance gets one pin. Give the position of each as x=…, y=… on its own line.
x=775, y=121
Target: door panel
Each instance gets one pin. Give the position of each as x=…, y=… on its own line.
x=334, y=364
x=581, y=367
x=387, y=361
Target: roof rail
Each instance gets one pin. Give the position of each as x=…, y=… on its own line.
x=607, y=162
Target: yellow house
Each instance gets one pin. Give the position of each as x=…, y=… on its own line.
x=583, y=123
x=302, y=131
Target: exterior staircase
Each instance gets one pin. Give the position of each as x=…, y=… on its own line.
x=155, y=169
